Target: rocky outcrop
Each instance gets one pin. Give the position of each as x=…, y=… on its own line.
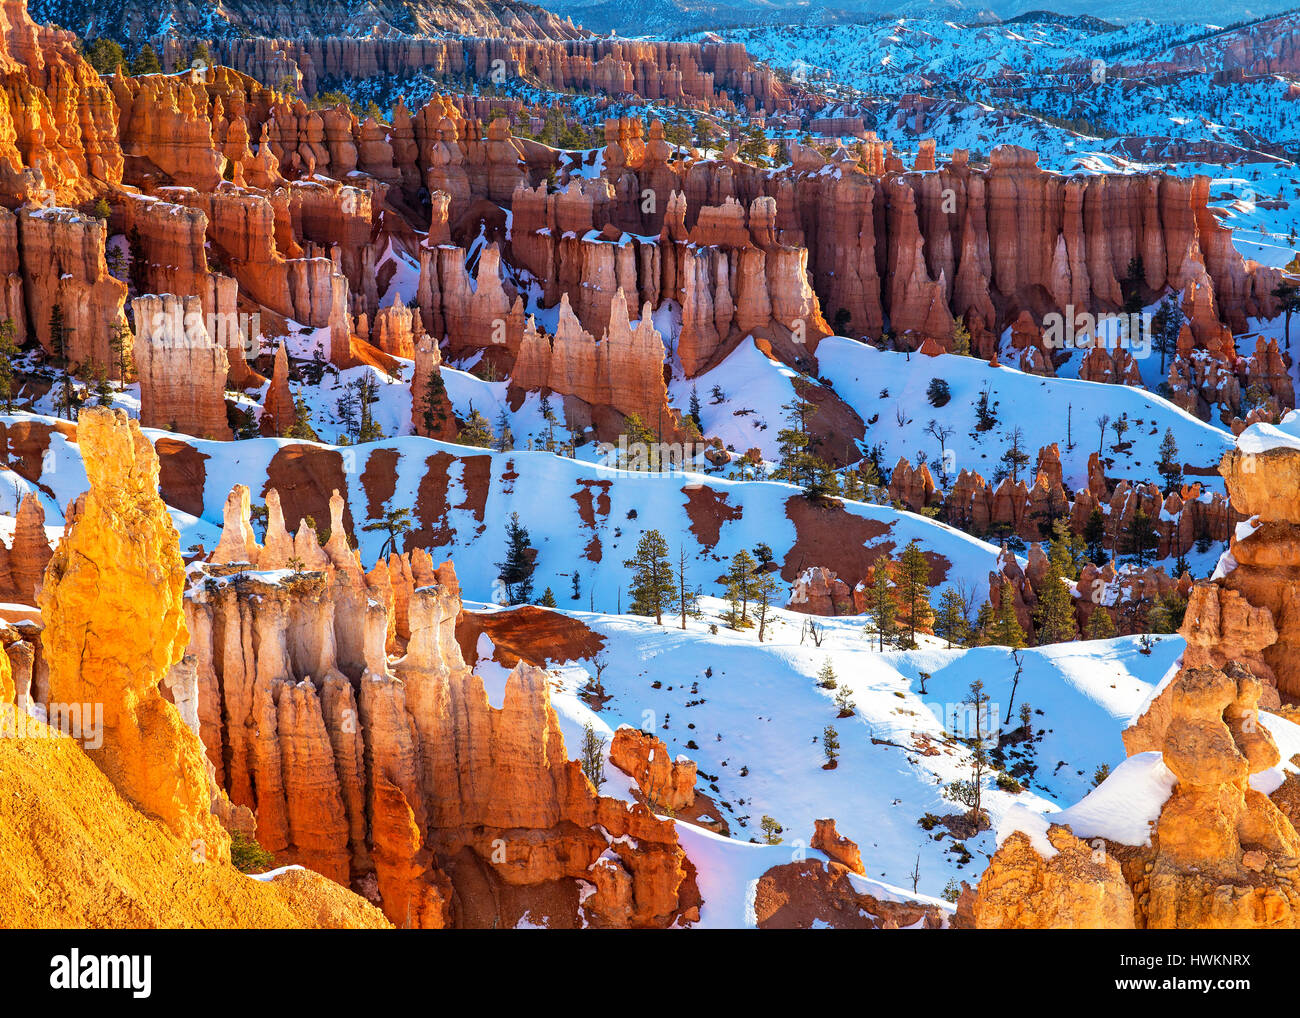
x=624, y=372
x=839, y=848
x=23, y=562
x=665, y=784
x=182, y=371
x=111, y=604
x=394, y=773
x=1077, y=888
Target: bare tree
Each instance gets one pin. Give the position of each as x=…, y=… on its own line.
x=1102, y=422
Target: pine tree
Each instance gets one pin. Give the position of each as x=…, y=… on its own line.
x=798, y=464
x=301, y=428
x=548, y=599
x=1168, y=464
x=1015, y=458
x=119, y=344
x=476, y=431
x=394, y=523
x=950, y=620
x=1006, y=630
x=826, y=677
x=913, y=588
x=1100, y=625
x=348, y=413
x=548, y=415
x=138, y=270
x=771, y=831
x=765, y=589
x=368, y=429
x=146, y=61
x=1055, y=612
x=1094, y=537
x=8, y=351
x=516, y=572
x=105, y=55
x=830, y=746
x=505, y=437
x=882, y=605
x=433, y=406
x=1141, y=538
x=695, y=410
x=653, y=587
x=741, y=589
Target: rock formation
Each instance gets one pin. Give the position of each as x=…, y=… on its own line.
x=394, y=773
x=112, y=608
x=182, y=371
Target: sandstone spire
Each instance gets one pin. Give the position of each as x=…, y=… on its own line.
x=114, y=625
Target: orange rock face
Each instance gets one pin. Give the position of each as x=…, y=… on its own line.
x=395, y=773
x=182, y=371
x=112, y=608
x=1077, y=888
x=840, y=849
x=664, y=783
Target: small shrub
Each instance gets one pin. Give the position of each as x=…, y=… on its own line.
x=247, y=856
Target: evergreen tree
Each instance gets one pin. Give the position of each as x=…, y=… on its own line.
x=1006, y=630
x=138, y=270
x=505, y=437
x=105, y=56
x=1067, y=548
x=1166, y=615
x=913, y=590
x=771, y=831
x=1141, y=538
x=695, y=410
x=548, y=415
x=394, y=523
x=433, y=405
x=1014, y=459
x=983, y=625
x=653, y=586
x=830, y=746
x=368, y=429
x=882, y=605
x=950, y=620
x=765, y=589
x=8, y=351
x=302, y=428
x=476, y=431
x=1055, y=612
x=1094, y=537
x=741, y=589
x=548, y=598
x=516, y=572
x=146, y=61
x=1169, y=465
x=1165, y=326
x=347, y=413
x=1100, y=625
x=798, y=464
x=119, y=344
x=826, y=677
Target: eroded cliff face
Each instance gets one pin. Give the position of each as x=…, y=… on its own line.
x=304, y=210
x=337, y=706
